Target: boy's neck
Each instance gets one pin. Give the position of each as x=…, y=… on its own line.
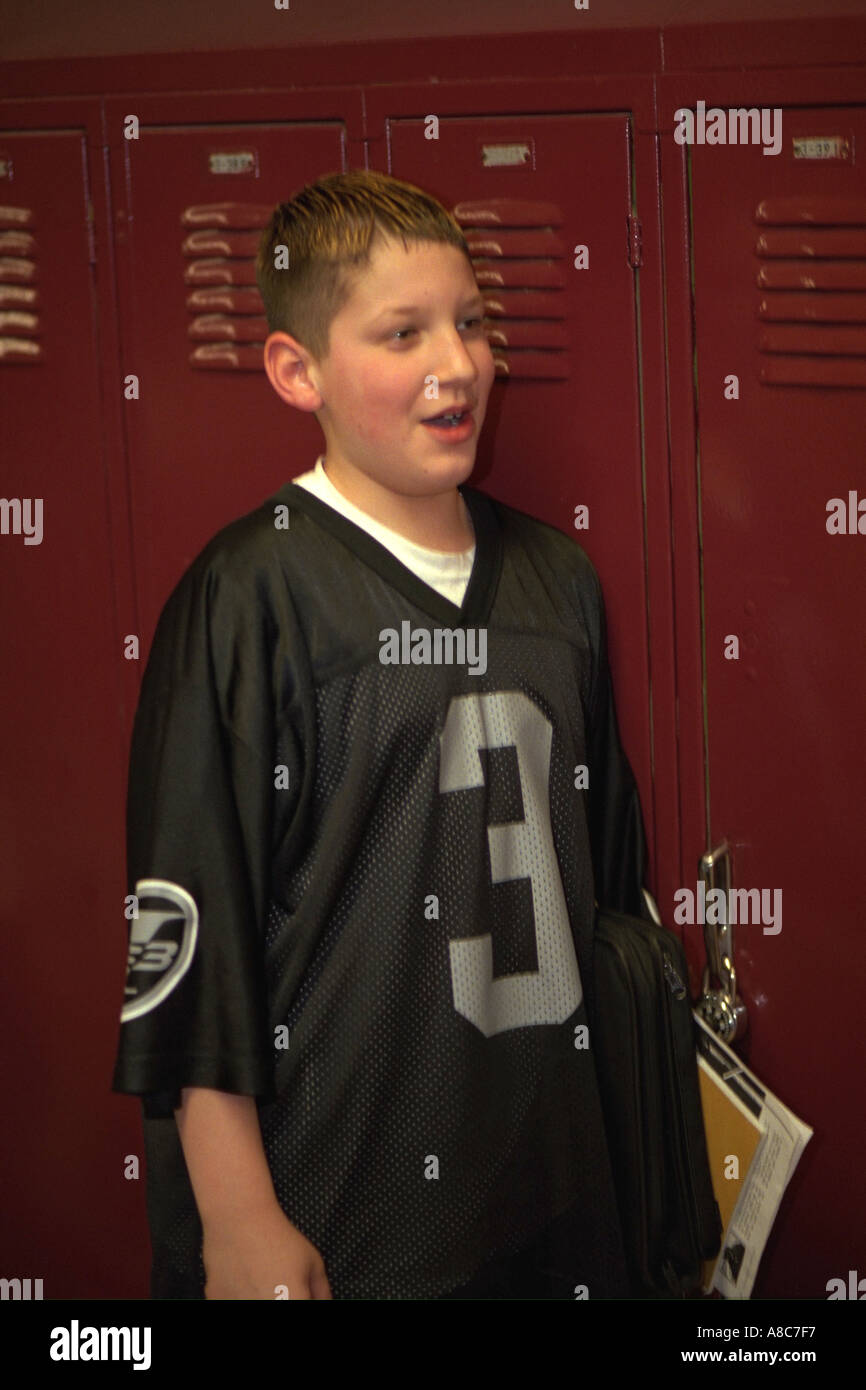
x=441, y=522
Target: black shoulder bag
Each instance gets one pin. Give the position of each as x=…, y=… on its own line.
x=642, y=1035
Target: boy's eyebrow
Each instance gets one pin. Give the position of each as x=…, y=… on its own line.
x=416, y=308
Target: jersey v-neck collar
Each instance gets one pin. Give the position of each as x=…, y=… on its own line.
x=486, y=566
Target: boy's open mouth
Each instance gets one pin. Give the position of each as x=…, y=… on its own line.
x=448, y=421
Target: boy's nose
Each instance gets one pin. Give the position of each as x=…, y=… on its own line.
x=455, y=360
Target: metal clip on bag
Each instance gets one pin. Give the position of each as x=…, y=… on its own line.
x=644, y=1044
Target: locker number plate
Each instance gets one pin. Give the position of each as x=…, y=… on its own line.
x=239, y=162
x=821, y=147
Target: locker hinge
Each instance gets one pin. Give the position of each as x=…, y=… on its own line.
x=635, y=242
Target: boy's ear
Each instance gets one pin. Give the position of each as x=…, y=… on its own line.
x=292, y=372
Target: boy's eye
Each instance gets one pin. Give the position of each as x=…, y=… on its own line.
x=401, y=333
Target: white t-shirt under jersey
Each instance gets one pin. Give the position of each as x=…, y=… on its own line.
x=446, y=572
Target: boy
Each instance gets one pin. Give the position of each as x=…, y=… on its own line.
x=364, y=861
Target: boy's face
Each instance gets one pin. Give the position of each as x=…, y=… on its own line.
x=412, y=316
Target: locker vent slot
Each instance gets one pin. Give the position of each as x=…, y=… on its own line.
x=812, y=278
x=20, y=329
x=228, y=322
x=516, y=252
x=519, y=262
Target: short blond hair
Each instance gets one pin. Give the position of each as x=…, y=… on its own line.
x=329, y=229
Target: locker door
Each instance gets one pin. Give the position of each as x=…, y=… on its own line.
x=208, y=439
x=563, y=422
x=780, y=303
x=61, y=736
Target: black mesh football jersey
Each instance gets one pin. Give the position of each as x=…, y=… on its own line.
x=365, y=859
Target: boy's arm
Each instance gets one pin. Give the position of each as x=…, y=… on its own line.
x=202, y=820
x=615, y=822
x=251, y=1249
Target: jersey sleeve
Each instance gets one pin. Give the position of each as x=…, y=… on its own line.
x=616, y=827
x=199, y=828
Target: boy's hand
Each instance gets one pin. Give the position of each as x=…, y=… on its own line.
x=251, y=1249
x=259, y=1257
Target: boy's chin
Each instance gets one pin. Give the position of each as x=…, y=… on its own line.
x=452, y=477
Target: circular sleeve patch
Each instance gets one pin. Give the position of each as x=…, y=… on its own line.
x=161, y=945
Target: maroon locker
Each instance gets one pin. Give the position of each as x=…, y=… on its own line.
x=62, y=745
x=207, y=438
x=557, y=270
x=779, y=248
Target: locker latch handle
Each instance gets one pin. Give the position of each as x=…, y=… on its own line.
x=720, y=1005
